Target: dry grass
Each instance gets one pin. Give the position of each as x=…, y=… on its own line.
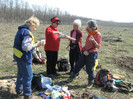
x=117, y=43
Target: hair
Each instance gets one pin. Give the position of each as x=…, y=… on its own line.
x=77, y=22
x=32, y=21
x=92, y=24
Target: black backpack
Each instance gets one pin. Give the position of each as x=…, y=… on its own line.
x=102, y=77
x=63, y=64
x=36, y=82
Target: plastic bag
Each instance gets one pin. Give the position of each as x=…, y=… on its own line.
x=45, y=81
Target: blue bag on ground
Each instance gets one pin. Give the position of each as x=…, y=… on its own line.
x=39, y=81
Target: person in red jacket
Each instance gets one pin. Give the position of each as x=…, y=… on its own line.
x=89, y=53
x=75, y=46
x=52, y=46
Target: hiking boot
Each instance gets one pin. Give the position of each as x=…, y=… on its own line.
x=19, y=94
x=51, y=75
x=69, y=80
x=90, y=84
x=56, y=74
x=71, y=77
x=31, y=97
x=69, y=73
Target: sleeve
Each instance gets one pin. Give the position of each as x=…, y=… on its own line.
x=49, y=31
x=99, y=38
x=27, y=43
x=35, y=54
x=80, y=34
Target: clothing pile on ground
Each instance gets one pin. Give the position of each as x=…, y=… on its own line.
x=48, y=91
x=112, y=82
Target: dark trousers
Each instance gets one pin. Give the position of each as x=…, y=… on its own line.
x=73, y=57
x=51, y=62
x=89, y=61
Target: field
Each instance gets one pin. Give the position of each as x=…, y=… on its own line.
x=115, y=54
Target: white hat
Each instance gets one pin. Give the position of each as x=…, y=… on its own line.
x=77, y=22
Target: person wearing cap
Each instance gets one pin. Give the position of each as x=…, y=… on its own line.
x=22, y=53
x=75, y=46
x=52, y=46
x=89, y=53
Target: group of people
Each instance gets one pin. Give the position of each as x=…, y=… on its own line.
x=78, y=55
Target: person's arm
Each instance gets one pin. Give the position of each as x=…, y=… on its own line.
x=70, y=38
x=95, y=42
x=27, y=43
x=68, y=47
x=57, y=32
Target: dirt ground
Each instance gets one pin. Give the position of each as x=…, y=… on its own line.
x=125, y=62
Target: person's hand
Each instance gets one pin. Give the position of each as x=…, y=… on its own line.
x=39, y=60
x=60, y=34
x=68, y=48
x=40, y=43
x=86, y=53
x=91, y=38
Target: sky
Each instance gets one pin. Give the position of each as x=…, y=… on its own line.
x=106, y=10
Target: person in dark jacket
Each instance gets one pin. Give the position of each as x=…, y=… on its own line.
x=22, y=53
x=75, y=46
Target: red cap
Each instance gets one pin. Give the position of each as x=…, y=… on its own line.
x=55, y=19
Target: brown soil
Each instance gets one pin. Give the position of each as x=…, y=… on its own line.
x=126, y=62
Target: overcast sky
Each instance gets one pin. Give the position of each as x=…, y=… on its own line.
x=111, y=10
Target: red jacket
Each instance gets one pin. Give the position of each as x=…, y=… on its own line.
x=52, y=40
x=79, y=36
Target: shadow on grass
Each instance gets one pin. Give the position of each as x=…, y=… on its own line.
x=7, y=77
x=7, y=95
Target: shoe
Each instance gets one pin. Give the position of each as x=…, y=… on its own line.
x=31, y=97
x=69, y=73
x=56, y=74
x=69, y=80
x=19, y=94
x=90, y=85
x=71, y=77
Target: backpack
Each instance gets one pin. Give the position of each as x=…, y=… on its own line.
x=39, y=81
x=102, y=77
x=125, y=87
x=63, y=64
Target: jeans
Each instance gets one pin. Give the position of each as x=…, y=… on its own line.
x=24, y=77
x=89, y=61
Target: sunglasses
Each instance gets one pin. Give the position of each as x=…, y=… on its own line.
x=57, y=22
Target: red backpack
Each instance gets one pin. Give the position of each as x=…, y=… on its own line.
x=102, y=77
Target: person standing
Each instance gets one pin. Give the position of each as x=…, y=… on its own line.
x=89, y=53
x=52, y=46
x=75, y=46
x=22, y=53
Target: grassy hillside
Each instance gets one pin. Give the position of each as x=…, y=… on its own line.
x=115, y=54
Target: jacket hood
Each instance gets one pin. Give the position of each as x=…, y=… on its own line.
x=23, y=26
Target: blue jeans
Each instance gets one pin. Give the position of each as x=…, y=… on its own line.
x=24, y=77
x=89, y=61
